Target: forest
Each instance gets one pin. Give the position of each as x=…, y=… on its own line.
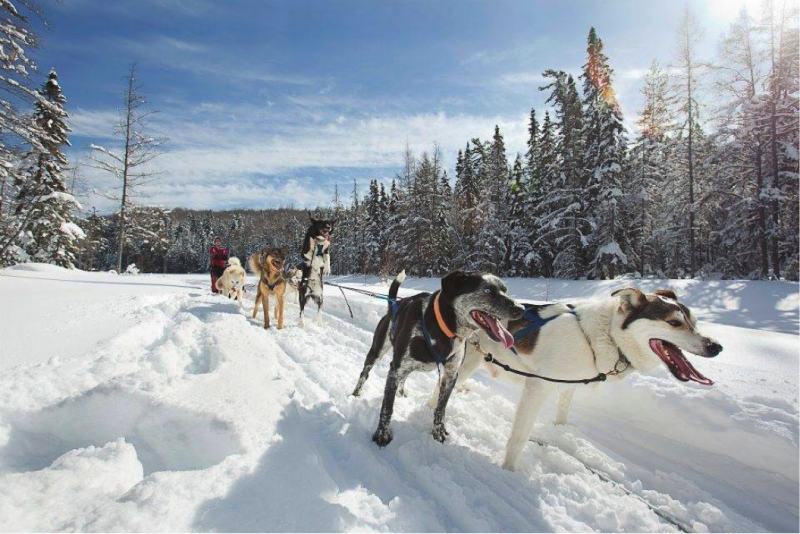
x=705, y=186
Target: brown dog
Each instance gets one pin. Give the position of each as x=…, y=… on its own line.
x=268, y=264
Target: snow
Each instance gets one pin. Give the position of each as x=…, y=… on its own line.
x=146, y=404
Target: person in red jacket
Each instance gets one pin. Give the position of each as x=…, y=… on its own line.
x=219, y=261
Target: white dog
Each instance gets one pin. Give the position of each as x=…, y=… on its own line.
x=629, y=331
x=232, y=281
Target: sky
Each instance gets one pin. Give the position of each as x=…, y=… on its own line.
x=270, y=104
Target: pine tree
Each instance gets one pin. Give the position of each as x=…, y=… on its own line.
x=518, y=245
x=53, y=235
x=567, y=201
x=604, y=158
x=492, y=218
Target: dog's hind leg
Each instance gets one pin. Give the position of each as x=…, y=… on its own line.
x=258, y=301
x=302, y=298
x=397, y=373
x=380, y=346
x=530, y=404
x=564, y=401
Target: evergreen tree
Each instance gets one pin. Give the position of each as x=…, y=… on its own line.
x=566, y=203
x=53, y=236
x=604, y=157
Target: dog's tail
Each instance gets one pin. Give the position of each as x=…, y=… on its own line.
x=233, y=260
x=395, y=287
x=255, y=263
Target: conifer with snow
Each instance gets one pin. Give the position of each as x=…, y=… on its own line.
x=52, y=236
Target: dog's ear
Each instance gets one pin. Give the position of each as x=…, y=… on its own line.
x=630, y=297
x=670, y=294
x=453, y=281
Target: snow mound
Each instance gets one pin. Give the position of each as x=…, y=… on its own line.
x=167, y=438
x=68, y=495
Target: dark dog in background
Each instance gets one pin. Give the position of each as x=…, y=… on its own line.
x=316, y=263
x=466, y=303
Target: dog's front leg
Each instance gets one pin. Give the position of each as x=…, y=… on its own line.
x=446, y=384
x=279, y=312
x=265, y=302
x=530, y=404
x=383, y=434
x=564, y=401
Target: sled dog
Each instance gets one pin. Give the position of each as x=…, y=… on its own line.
x=316, y=263
x=628, y=331
x=293, y=276
x=466, y=303
x=232, y=281
x=268, y=264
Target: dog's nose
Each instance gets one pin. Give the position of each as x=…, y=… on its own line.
x=517, y=311
x=713, y=348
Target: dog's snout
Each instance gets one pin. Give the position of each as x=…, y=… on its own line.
x=516, y=310
x=713, y=348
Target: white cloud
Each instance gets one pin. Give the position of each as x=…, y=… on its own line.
x=223, y=156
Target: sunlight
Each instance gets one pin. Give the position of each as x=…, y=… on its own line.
x=729, y=9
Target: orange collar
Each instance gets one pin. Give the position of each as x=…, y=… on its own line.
x=439, y=319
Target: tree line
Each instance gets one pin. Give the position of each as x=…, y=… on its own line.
x=707, y=185
x=700, y=190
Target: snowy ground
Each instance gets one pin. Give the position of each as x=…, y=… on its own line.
x=146, y=404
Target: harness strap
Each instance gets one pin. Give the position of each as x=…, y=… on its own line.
x=536, y=322
x=620, y=366
x=427, y=335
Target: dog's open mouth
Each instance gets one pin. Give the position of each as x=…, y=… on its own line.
x=325, y=233
x=677, y=363
x=493, y=327
x=277, y=264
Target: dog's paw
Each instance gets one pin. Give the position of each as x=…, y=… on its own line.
x=356, y=393
x=440, y=433
x=509, y=465
x=382, y=437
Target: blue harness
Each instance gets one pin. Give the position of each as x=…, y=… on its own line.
x=536, y=323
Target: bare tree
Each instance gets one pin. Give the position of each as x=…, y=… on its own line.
x=687, y=66
x=130, y=165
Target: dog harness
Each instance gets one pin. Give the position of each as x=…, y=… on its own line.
x=442, y=325
x=271, y=286
x=536, y=323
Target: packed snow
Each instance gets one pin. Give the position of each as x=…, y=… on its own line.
x=144, y=403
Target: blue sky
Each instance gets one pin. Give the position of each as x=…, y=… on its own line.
x=273, y=103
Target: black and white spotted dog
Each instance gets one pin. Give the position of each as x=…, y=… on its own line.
x=467, y=302
x=316, y=263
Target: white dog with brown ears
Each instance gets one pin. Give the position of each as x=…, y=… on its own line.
x=232, y=281
x=628, y=331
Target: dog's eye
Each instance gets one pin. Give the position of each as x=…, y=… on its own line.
x=487, y=290
x=674, y=322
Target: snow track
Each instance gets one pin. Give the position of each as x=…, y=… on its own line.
x=195, y=418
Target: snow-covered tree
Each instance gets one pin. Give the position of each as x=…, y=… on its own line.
x=43, y=196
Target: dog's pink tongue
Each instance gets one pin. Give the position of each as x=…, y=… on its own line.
x=505, y=337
